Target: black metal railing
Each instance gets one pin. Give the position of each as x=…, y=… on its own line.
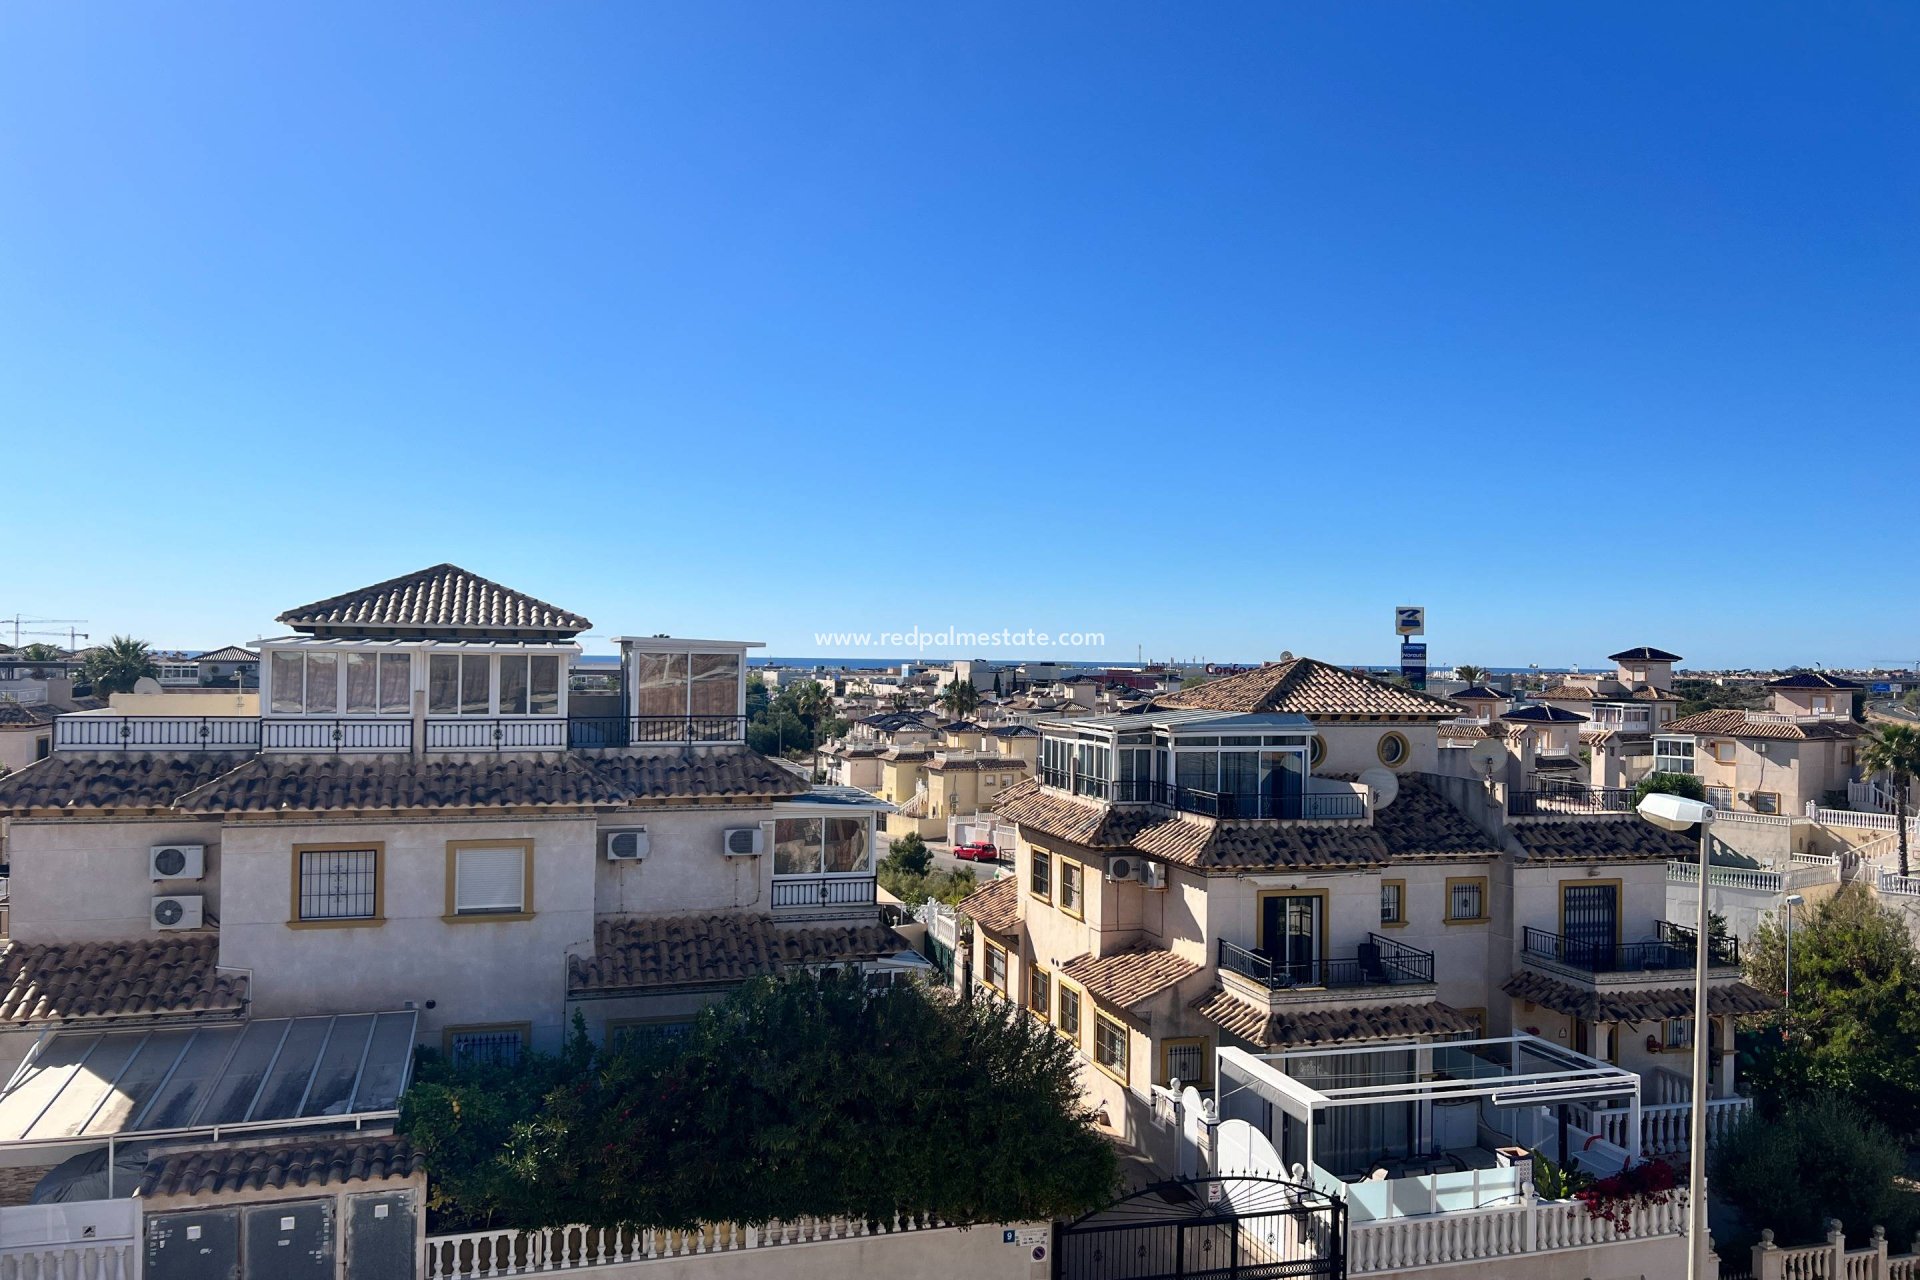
x=1376, y=962
x=83, y=732
x=1671, y=949
x=1567, y=797
x=592, y=732
x=483, y=733
x=822, y=891
x=336, y=735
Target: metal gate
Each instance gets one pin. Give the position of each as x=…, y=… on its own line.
x=1230, y=1228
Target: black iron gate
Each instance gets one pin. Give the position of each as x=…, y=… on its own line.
x=1591, y=923
x=1232, y=1228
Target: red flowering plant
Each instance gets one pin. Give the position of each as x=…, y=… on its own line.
x=1613, y=1199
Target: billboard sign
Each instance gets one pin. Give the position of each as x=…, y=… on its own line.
x=1410, y=620
x=1413, y=663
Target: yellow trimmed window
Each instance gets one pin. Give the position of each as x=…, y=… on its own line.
x=1467, y=900
x=1393, y=902
x=1110, y=1045
x=1073, y=882
x=996, y=975
x=1040, y=874
x=1070, y=1012
x=1040, y=993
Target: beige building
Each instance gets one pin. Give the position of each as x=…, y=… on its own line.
x=1624, y=710
x=1800, y=751
x=1282, y=859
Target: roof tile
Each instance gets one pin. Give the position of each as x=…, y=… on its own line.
x=667, y=951
x=217, y=1171
x=1633, y=1004
x=1294, y=1025
x=442, y=598
x=1128, y=979
x=141, y=977
x=1309, y=687
x=996, y=908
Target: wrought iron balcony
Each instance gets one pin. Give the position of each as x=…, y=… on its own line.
x=595, y=732
x=1670, y=949
x=1376, y=962
x=89, y=732
x=823, y=891
x=1214, y=804
x=1569, y=798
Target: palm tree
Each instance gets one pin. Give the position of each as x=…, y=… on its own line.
x=1894, y=749
x=1471, y=674
x=960, y=699
x=116, y=665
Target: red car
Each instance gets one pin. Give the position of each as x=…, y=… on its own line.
x=979, y=852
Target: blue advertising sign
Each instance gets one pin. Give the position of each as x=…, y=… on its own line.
x=1413, y=663
x=1883, y=687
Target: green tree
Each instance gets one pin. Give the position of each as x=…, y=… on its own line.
x=960, y=698
x=909, y=854
x=1893, y=749
x=997, y=691
x=1471, y=674
x=1672, y=784
x=803, y=1094
x=1193, y=681
x=1854, y=1029
x=115, y=666
x=1820, y=1158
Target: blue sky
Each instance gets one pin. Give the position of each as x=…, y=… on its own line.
x=1218, y=330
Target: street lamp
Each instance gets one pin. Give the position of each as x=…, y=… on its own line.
x=1677, y=813
x=1793, y=900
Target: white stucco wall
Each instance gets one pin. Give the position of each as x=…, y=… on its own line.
x=82, y=881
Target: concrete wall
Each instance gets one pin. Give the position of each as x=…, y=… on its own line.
x=461, y=973
x=977, y=1253
x=1652, y=1258
x=87, y=881
x=685, y=871
x=1352, y=748
x=21, y=746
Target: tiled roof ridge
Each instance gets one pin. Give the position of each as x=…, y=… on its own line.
x=1271, y=684
x=167, y=974
x=440, y=596
x=712, y=947
x=310, y=1163
x=994, y=907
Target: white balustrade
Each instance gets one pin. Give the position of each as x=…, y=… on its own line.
x=476, y=1255
x=94, y=1260
x=1861, y=819
x=1393, y=1244
x=1726, y=877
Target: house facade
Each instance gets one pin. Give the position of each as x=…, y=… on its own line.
x=1802, y=750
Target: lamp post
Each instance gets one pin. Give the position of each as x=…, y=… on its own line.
x=1677, y=813
x=1793, y=900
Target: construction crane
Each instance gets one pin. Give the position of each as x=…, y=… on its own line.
x=71, y=624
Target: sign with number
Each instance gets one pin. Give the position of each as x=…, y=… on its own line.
x=1028, y=1237
x=1410, y=620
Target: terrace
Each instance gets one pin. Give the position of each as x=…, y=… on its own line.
x=1377, y=962
x=1671, y=948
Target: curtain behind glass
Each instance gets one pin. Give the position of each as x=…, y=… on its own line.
x=716, y=684
x=287, y=695
x=545, y=686
x=513, y=684
x=362, y=682
x=323, y=683
x=660, y=684
x=847, y=845
x=443, y=684
x=796, y=846
x=396, y=677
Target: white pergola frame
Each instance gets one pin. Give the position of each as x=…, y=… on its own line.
x=1582, y=1079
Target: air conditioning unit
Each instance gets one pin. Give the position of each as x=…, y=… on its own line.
x=177, y=861
x=179, y=911
x=1153, y=875
x=1123, y=868
x=1745, y=797
x=629, y=844
x=743, y=842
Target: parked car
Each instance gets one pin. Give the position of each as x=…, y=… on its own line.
x=979, y=851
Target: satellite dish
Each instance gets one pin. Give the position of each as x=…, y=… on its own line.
x=1382, y=785
x=1286, y=655
x=1486, y=755
x=147, y=684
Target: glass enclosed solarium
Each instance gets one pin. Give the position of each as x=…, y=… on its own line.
x=1209, y=762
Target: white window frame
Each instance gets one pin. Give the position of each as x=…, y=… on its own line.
x=1666, y=750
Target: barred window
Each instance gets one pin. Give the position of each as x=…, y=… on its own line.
x=1110, y=1044
x=491, y=1046
x=1070, y=1012
x=339, y=884
x=1466, y=900
x=1393, y=902
x=624, y=1036
x=1041, y=882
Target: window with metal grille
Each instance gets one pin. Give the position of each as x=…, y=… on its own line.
x=1467, y=900
x=492, y=1046
x=1720, y=797
x=1186, y=1062
x=1393, y=902
x=1110, y=1044
x=1677, y=1033
x=1041, y=879
x=638, y=1035
x=489, y=880
x=339, y=884
x=1070, y=1012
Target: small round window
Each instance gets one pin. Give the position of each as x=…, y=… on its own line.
x=1393, y=750
x=1317, y=752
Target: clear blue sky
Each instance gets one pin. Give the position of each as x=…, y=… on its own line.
x=1217, y=329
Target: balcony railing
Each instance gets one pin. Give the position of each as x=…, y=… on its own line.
x=1672, y=948
x=1569, y=798
x=822, y=891
x=1214, y=804
x=1377, y=962
x=593, y=732
x=480, y=733
x=164, y=733
x=336, y=735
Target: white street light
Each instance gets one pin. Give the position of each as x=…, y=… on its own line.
x=1677, y=813
x=1793, y=900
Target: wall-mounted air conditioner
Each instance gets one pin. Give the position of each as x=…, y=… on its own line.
x=743, y=842
x=1123, y=869
x=628, y=844
x=177, y=861
x=179, y=911
x=1153, y=875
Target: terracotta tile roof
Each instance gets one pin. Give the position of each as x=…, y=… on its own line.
x=141, y=977
x=974, y=761
x=1418, y=826
x=1089, y=823
x=1568, y=693
x=1478, y=693
x=1308, y=687
x=1128, y=979
x=77, y=781
x=1732, y=722
x=25, y=713
x=232, y=653
x=669, y=951
x=442, y=598
x=1644, y=653
x=219, y=1171
x=1633, y=1004
x=1014, y=731
x=996, y=908
x=1458, y=732
x=1622, y=838
x=309, y=784
x=1294, y=1025
x=1814, y=680
x=1581, y=693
